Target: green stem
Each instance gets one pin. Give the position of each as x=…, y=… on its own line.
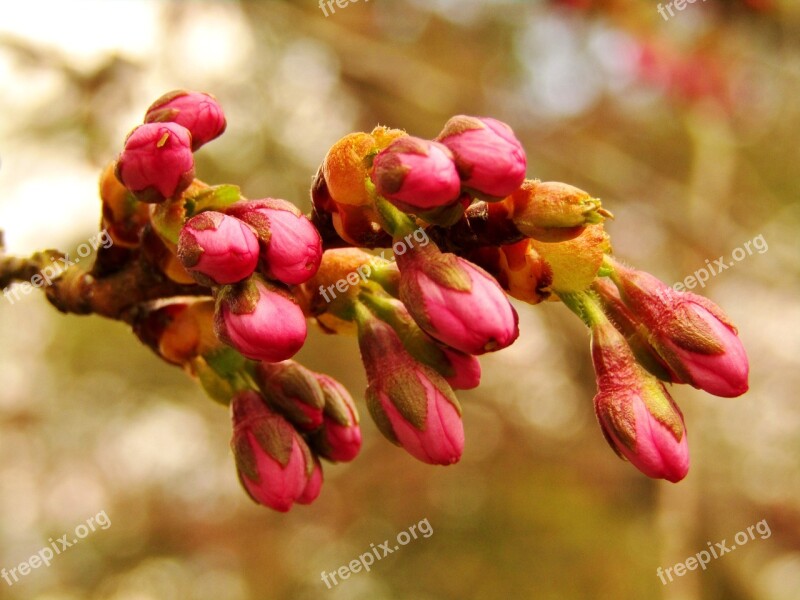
x=393, y=221
x=587, y=306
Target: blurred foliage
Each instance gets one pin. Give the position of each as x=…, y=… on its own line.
x=685, y=127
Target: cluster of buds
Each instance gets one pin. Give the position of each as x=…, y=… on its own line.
x=281, y=431
x=224, y=286
x=646, y=334
x=238, y=323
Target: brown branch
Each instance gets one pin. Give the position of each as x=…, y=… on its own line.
x=116, y=296
x=114, y=292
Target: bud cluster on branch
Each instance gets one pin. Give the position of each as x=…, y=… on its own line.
x=223, y=286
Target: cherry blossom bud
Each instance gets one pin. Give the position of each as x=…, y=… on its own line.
x=690, y=333
x=313, y=485
x=638, y=417
x=456, y=302
x=412, y=405
x=198, y=112
x=217, y=249
x=260, y=320
x=489, y=157
x=416, y=174
x=340, y=437
x=157, y=161
x=274, y=464
x=465, y=370
x=294, y=391
x=290, y=245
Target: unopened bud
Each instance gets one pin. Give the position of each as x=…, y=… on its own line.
x=217, y=249
x=157, y=161
x=416, y=174
x=489, y=157
x=290, y=245
x=294, y=391
x=198, y=112
x=273, y=462
x=339, y=439
x=260, y=320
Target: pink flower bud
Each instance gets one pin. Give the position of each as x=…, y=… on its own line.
x=461, y=371
x=294, y=390
x=416, y=174
x=638, y=417
x=690, y=333
x=456, y=302
x=272, y=460
x=313, y=485
x=157, y=161
x=260, y=320
x=489, y=157
x=411, y=404
x=217, y=249
x=340, y=437
x=290, y=245
x=198, y=112
x=466, y=370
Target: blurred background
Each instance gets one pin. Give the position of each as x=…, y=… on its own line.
x=686, y=127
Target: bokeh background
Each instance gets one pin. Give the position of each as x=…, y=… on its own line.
x=687, y=128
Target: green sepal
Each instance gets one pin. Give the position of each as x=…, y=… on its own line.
x=168, y=219
x=660, y=405
x=620, y=418
x=444, y=216
x=379, y=416
x=445, y=269
x=218, y=388
x=274, y=436
x=245, y=457
x=217, y=197
x=689, y=331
